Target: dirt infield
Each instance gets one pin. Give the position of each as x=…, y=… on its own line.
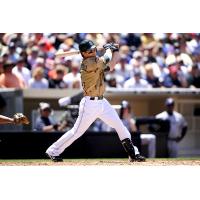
x=102, y=162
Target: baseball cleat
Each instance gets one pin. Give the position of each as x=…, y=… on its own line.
x=138, y=158
x=55, y=158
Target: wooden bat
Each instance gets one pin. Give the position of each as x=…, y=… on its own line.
x=62, y=53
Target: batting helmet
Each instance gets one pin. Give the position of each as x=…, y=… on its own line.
x=86, y=45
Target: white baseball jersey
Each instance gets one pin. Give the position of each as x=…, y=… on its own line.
x=177, y=122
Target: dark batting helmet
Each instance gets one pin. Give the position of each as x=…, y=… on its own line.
x=86, y=45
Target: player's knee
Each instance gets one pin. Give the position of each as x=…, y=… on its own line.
x=72, y=132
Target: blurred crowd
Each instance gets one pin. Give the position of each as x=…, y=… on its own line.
x=147, y=60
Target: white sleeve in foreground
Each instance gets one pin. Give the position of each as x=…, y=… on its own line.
x=107, y=56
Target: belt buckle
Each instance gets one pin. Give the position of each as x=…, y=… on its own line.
x=96, y=98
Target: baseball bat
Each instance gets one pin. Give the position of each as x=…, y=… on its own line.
x=62, y=53
x=66, y=53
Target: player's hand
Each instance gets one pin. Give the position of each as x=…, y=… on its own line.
x=55, y=126
x=20, y=118
x=107, y=46
x=107, y=69
x=113, y=47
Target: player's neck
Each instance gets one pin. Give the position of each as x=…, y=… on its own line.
x=87, y=57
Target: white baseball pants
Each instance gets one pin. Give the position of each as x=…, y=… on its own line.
x=89, y=111
x=150, y=140
x=172, y=149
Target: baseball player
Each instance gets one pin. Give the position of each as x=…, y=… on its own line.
x=178, y=127
x=17, y=118
x=93, y=105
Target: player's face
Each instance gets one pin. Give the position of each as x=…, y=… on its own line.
x=46, y=112
x=170, y=109
x=125, y=112
x=90, y=53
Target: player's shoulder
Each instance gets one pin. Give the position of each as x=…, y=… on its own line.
x=162, y=115
x=91, y=60
x=90, y=64
x=100, y=59
x=177, y=114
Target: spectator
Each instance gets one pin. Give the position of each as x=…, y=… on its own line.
x=137, y=63
x=73, y=79
x=149, y=52
x=125, y=52
x=52, y=68
x=45, y=122
x=173, y=79
x=33, y=56
x=5, y=57
x=58, y=82
x=150, y=77
x=13, y=55
x=76, y=83
x=38, y=81
x=182, y=70
x=10, y=80
x=136, y=81
x=194, y=77
x=22, y=71
x=112, y=82
x=146, y=39
x=123, y=69
x=49, y=66
x=133, y=40
x=161, y=50
x=178, y=127
x=45, y=45
x=40, y=62
x=112, y=75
